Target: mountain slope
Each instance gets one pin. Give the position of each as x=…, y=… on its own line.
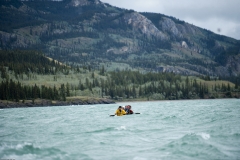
x=91, y=32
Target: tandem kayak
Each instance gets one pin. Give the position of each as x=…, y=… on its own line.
x=124, y=115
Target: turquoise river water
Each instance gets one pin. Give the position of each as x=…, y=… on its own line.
x=189, y=129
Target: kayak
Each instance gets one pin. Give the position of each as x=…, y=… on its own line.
x=125, y=114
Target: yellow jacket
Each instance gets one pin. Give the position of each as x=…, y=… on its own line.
x=120, y=113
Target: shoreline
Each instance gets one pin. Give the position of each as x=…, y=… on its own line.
x=4, y=104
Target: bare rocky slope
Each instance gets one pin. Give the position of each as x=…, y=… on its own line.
x=89, y=32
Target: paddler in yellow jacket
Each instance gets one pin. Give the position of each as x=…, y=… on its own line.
x=120, y=111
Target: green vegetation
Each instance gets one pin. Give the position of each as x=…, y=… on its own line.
x=49, y=79
x=28, y=62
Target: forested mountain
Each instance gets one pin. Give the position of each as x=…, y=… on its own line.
x=89, y=32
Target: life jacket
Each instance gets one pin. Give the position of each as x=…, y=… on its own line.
x=120, y=113
x=130, y=111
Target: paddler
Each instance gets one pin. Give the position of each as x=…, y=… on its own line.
x=120, y=111
x=127, y=108
x=130, y=109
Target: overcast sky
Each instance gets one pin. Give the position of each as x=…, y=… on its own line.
x=219, y=16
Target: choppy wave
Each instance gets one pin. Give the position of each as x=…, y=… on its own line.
x=236, y=135
x=168, y=130
x=101, y=130
x=121, y=128
x=29, y=151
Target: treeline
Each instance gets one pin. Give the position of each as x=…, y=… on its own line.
x=107, y=42
x=135, y=77
x=133, y=84
x=24, y=61
x=49, y=36
x=15, y=91
x=158, y=86
x=120, y=85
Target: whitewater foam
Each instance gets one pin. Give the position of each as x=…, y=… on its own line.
x=204, y=135
x=121, y=128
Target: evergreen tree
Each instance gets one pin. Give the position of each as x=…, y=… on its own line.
x=102, y=71
x=63, y=92
x=134, y=92
x=68, y=90
x=236, y=84
x=140, y=91
x=228, y=87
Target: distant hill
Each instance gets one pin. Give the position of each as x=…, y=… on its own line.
x=89, y=32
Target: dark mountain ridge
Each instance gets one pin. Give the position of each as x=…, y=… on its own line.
x=89, y=32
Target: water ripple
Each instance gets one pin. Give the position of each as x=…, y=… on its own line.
x=191, y=129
